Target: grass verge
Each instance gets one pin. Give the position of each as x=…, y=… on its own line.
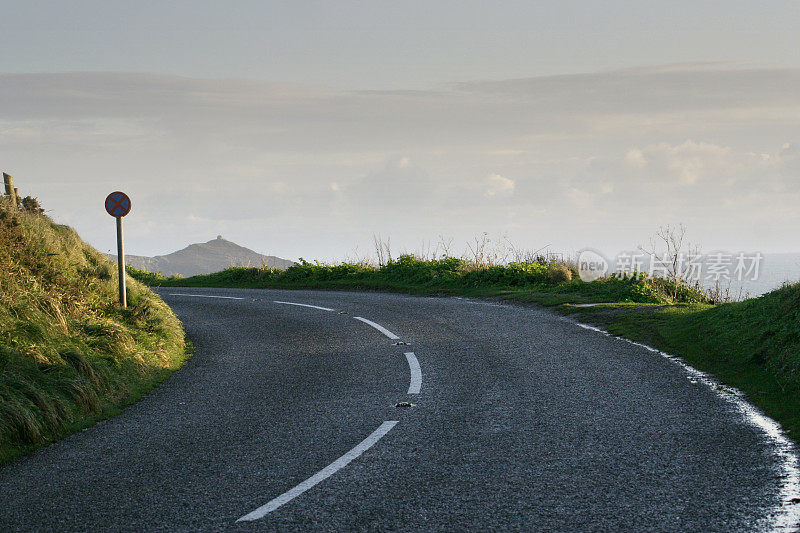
x=69, y=355
x=541, y=282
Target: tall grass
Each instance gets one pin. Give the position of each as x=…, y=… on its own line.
x=542, y=275
x=68, y=352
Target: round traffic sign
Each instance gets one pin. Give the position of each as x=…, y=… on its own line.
x=118, y=204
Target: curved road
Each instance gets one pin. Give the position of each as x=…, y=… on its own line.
x=287, y=418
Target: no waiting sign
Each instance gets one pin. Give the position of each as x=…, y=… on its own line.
x=118, y=204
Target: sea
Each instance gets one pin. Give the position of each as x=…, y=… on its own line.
x=775, y=270
x=772, y=271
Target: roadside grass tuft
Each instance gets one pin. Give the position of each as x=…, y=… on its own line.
x=69, y=355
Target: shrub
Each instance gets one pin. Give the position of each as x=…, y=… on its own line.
x=558, y=273
x=452, y=275
x=31, y=205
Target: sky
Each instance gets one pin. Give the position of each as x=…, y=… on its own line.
x=305, y=129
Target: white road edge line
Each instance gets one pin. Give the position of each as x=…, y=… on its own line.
x=416, y=373
x=378, y=327
x=322, y=475
x=205, y=296
x=304, y=305
x=786, y=513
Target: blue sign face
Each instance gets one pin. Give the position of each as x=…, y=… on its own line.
x=118, y=204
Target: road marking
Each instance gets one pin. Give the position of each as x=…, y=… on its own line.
x=378, y=327
x=787, y=511
x=416, y=373
x=322, y=475
x=304, y=305
x=205, y=296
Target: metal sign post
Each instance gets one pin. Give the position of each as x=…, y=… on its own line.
x=118, y=205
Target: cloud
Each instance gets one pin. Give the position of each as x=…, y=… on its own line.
x=700, y=86
x=277, y=187
x=499, y=186
x=636, y=144
x=635, y=158
x=788, y=161
x=686, y=163
x=280, y=117
x=579, y=198
x=245, y=171
x=400, y=183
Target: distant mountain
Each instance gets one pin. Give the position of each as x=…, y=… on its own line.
x=205, y=258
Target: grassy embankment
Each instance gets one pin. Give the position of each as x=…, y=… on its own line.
x=752, y=345
x=69, y=355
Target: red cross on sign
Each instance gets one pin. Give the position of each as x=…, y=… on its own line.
x=118, y=204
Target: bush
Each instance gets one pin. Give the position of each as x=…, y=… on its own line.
x=31, y=205
x=410, y=269
x=447, y=274
x=558, y=273
x=148, y=278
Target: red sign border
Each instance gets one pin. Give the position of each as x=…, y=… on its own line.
x=126, y=197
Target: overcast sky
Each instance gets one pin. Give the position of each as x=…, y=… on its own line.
x=301, y=129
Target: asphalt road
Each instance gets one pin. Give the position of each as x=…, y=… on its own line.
x=523, y=421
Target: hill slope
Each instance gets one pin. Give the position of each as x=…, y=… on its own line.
x=205, y=258
x=68, y=353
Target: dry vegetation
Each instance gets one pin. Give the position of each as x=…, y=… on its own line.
x=68, y=353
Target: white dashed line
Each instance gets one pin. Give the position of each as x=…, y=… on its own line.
x=322, y=475
x=416, y=373
x=378, y=327
x=205, y=296
x=304, y=305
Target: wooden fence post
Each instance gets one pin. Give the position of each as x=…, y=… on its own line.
x=11, y=191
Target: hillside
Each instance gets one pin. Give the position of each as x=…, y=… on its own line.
x=69, y=354
x=205, y=258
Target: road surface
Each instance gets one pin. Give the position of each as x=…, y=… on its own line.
x=361, y=411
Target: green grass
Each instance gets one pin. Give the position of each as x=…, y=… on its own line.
x=752, y=345
x=69, y=355
x=532, y=281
